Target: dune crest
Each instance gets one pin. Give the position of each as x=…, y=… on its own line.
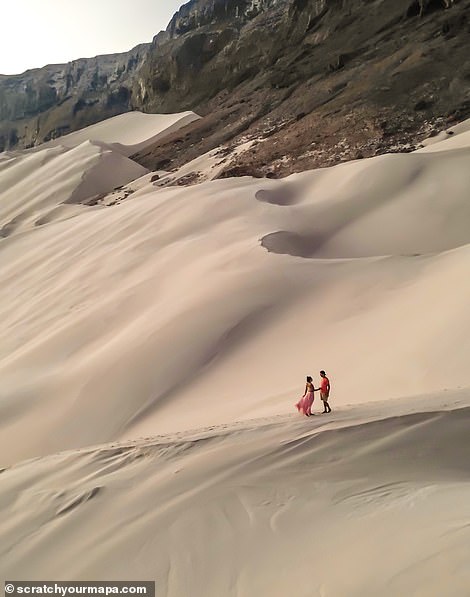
x=189, y=306
x=155, y=338
x=50, y=182
x=257, y=508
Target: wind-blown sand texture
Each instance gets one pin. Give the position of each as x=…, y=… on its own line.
x=128, y=133
x=204, y=308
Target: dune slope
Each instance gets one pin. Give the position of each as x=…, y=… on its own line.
x=153, y=347
x=128, y=133
x=184, y=307
x=50, y=182
x=275, y=507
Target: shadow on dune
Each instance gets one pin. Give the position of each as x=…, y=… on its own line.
x=283, y=196
x=292, y=243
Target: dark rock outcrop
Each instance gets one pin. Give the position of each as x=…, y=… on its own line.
x=45, y=103
x=312, y=82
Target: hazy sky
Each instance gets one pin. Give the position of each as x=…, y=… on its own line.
x=39, y=32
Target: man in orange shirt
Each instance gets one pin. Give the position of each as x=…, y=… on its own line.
x=325, y=391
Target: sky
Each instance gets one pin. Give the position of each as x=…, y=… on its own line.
x=39, y=32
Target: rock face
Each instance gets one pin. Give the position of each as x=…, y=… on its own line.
x=323, y=80
x=310, y=82
x=216, y=45
x=45, y=103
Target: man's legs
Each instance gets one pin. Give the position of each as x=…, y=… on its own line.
x=326, y=406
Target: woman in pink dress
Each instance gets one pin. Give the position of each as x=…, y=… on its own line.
x=304, y=405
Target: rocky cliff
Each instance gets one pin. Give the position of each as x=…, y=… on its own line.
x=323, y=80
x=309, y=82
x=45, y=103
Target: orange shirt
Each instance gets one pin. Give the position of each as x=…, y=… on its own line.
x=325, y=382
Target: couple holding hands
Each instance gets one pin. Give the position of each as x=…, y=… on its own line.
x=305, y=403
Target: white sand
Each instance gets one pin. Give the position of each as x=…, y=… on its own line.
x=455, y=136
x=337, y=507
x=46, y=183
x=128, y=133
x=201, y=306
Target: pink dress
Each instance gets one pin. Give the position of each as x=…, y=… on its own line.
x=304, y=405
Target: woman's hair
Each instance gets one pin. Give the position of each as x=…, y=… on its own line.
x=309, y=379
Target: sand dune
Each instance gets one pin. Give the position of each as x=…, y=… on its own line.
x=455, y=137
x=128, y=133
x=377, y=207
x=45, y=184
x=41, y=187
x=166, y=309
x=167, y=312
x=363, y=506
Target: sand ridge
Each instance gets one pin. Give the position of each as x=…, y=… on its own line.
x=280, y=497
x=154, y=345
x=51, y=182
x=127, y=133
x=167, y=312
